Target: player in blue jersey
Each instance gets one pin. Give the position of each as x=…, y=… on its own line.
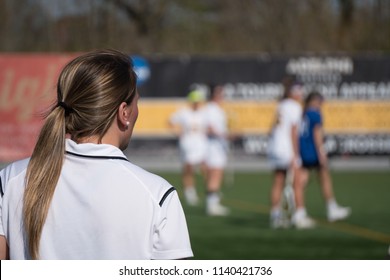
x=313, y=156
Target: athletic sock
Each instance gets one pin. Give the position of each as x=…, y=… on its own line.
x=213, y=198
x=190, y=190
x=190, y=195
x=276, y=212
x=331, y=204
x=300, y=213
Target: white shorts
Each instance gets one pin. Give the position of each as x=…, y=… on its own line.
x=193, y=151
x=279, y=162
x=280, y=153
x=216, y=155
x=192, y=156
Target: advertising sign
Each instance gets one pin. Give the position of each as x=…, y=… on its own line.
x=356, y=88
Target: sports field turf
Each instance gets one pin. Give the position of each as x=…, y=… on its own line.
x=245, y=234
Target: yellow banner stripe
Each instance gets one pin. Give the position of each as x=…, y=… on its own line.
x=250, y=117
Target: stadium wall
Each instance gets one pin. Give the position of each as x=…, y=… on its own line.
x=357, y=90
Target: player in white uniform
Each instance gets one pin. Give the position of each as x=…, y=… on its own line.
x=78, y=197
x=283, y=149
x=216, y=159
x=190, y=125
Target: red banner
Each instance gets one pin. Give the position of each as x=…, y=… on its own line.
x=27, y=88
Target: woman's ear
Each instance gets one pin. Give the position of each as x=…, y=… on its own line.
x=124, y=116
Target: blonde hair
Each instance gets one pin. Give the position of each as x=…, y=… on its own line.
x=90, y=89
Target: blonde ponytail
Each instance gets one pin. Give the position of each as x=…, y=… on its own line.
x=42, y=176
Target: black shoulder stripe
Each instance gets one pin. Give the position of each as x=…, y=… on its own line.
x=1, y=188
x=166, y=195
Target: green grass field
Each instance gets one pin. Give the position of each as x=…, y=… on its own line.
x=246, y=234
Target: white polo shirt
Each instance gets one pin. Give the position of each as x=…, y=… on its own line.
x=104, y=207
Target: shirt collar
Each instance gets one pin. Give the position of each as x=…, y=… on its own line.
x=91, y=150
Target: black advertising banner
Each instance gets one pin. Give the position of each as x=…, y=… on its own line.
x=259, y=77
x=357, y=90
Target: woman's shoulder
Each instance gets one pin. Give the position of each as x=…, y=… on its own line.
x=154, y=183
x=14, y=169
x=288, y=105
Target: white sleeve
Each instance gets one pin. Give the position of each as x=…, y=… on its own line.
x=6, y=174
x=176, y=118
x=171, y=238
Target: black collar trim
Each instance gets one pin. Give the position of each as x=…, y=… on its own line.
x=96, y=157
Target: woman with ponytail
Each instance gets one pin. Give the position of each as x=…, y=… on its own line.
x=78, y=196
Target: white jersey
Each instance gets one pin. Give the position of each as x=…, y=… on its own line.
x=217, y=144
x=103, y=207
x=193, y=140
x=280, y=146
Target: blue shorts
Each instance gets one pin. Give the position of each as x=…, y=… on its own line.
x=311, y=164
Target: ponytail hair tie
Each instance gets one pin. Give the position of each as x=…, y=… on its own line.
x=67, y=108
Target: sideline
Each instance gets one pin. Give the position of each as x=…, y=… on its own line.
x=245, y=163
x=337, y=226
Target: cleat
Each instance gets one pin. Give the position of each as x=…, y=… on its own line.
x=338, y=213
x=217, y=210
x=280, y=220
x=280, y=223
x=304, y=222
x=191, y=197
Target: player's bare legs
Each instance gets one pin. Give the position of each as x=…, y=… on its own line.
x=334, y=211
x=204, y=171
x=214, y=183
x=214, y=179
x=277, y=188
x=301, y=178
x=300, y=219
x=326, y=183
x=189, y=185
x=188, y=176
x=276, y=215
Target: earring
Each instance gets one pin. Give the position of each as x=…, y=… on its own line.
x=127, y=125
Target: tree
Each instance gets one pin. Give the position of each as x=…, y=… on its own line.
x=202, y=26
